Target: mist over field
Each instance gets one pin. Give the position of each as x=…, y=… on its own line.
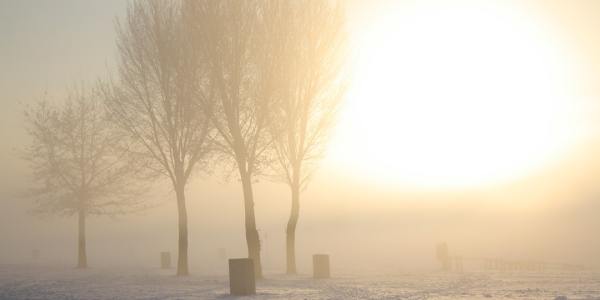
x=396, y=232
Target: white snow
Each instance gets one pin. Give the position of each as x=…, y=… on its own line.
x=51, y=282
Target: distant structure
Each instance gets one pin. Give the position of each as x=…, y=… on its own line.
x=497, y=264
x=455, y=263
x=443, y=257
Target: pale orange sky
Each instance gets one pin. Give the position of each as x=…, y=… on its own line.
x=48, y=44
x=51, y=44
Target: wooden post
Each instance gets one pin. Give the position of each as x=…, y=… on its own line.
x=321, y=266
x=165, y=260
x=241, y=277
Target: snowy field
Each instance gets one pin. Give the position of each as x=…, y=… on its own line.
x=36, y=282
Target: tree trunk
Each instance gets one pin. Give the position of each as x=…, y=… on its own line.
x=252, y=238
x=82, y=254
x=291, y=230
x=182, y=257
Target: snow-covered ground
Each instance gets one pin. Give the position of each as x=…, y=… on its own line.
x=38, y=282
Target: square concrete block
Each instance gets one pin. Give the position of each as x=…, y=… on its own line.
x=321, y=266
x=241, y=277
x=165, y=260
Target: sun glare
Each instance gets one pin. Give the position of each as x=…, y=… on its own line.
x=448, y=94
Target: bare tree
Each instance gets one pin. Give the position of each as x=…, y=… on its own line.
x=307, y=38
x=78, y=162
x=229, y=34
x=153, y=99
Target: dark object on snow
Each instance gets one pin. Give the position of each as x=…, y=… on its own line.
x=241, y=277
x=321, y=266
x=165, y=260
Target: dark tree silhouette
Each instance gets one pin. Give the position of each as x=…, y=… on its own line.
x=307, y=44
x=79, y=162
x=230, y=36
x=153, y=101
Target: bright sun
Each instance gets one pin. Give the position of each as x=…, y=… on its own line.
x=453, y=93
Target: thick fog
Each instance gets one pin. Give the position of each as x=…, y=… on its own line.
x=367, y=227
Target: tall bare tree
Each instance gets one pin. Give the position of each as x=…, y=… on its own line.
x=229, y=35
x=79, y=162
x=153, y=99
x=308, y=45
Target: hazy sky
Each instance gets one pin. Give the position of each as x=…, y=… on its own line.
x=45, y=45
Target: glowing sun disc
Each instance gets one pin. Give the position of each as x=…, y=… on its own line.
x=455, y=94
